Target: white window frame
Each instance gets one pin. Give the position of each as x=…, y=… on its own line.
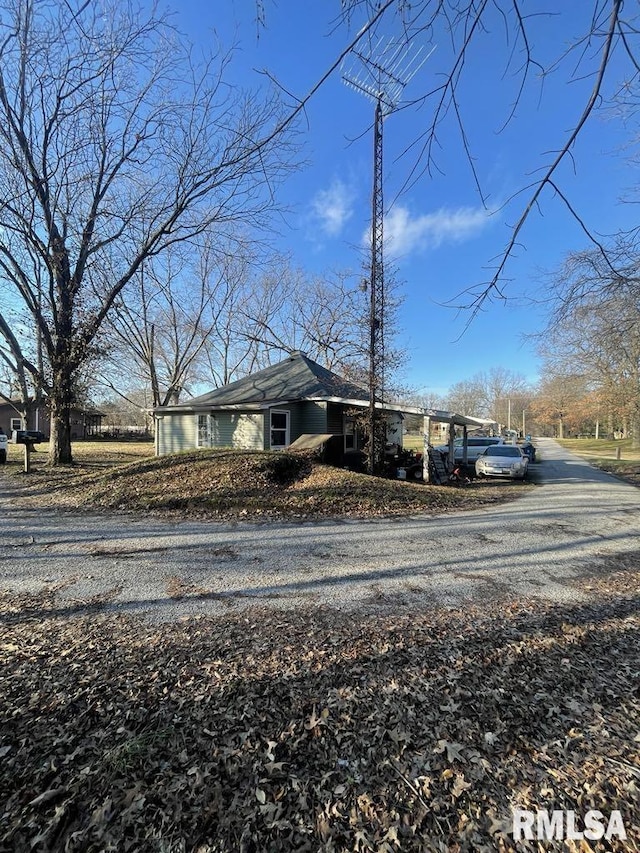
x=16, y=424
x=287, y=429
x=208, y=428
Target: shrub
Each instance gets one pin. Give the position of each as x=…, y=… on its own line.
x=284, y=468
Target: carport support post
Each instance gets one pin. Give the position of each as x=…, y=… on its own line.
x=426, y=432
x=451, y=460
x=465, y=449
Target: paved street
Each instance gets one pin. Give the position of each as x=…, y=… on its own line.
x=575, y=518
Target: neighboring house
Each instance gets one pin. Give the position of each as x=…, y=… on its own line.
x=270, y=409
x=84, y=422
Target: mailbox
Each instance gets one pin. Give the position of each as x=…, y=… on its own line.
x=27, y=436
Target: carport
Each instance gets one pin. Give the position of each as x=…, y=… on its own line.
x=454, y=420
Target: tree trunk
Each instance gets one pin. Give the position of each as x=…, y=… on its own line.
x=560, y=428
x=635, y=428
x=30, y=407
x=60, y=401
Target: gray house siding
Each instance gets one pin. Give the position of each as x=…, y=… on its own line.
x=335, y=420
x=221, y=429
x=314, y=417
x=306, y=416
x=179, y=432
x=244, y=430
x=176, y=432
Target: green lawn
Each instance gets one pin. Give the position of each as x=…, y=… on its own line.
x=413, y=442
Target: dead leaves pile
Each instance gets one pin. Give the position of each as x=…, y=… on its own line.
x=316, y=730
x=242, y=484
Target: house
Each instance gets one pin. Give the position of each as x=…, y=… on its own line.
x=84, y=422
x=270, y=409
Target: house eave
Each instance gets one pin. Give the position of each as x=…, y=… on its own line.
x=186, y=408
x=224, y=407
x=364, y=404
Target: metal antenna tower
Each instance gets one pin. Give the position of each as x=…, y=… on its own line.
x=380, y=73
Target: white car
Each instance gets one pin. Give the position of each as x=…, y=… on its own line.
x=475, y=446
x=503, y=460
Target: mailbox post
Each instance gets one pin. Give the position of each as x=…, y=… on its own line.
x=28, y=438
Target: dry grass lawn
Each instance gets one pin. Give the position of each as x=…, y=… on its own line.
x=223, y=484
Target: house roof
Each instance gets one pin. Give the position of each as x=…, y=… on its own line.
x=298, y=377
x=295, y=378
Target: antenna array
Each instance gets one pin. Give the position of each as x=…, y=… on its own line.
x=382, y=72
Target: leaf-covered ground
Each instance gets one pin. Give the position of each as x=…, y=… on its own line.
x=222, y=484
x=317, y=730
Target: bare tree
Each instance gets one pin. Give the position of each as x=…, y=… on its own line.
x=231, y=351
x=162, y=326
x=466, y=397
x=594, y=330
x=496, y=393
x=323, y=316
x=24, y=390
x=115, y=146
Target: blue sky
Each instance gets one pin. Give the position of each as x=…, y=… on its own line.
x=444, y=239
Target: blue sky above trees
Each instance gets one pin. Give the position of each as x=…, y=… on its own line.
x=443, y=238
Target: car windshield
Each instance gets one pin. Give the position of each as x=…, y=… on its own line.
x=502, y=450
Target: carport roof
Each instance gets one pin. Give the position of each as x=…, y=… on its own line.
x=453, y=418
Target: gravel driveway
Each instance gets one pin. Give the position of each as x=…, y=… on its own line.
x=576, y=519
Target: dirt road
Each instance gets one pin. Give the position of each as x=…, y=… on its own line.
x=575, y=520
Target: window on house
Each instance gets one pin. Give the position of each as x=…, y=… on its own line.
x=16, y=423
x=279, y=430
x=349, y=434
x=204, y=430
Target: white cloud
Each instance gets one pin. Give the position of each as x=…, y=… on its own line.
x=404, y=233
x=333, y=208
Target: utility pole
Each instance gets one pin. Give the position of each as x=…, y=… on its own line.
x=384, y=69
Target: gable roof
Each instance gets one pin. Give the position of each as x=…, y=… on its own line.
x=295, y=378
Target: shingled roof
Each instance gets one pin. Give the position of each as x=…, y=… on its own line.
x=295, y=378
